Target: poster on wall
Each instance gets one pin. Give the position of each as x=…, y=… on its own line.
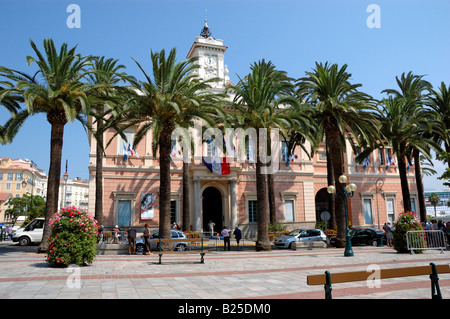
x=147, y=205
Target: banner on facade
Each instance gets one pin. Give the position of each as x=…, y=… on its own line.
x=147, y=205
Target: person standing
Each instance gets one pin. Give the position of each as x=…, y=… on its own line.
x=116, y=234
x=238, y=236
x=131, y=241
x=100, y=234
x=146, y=240
x=211, y=227
x=10, y=233
x=226, y=238
x=387, y=229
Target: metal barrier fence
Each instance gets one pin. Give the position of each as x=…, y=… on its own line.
x=107, y=237
x=426, y=239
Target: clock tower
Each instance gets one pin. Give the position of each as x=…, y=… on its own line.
x=210, y=53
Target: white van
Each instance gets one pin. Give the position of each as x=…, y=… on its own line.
x=19, y=222
x=31, y=233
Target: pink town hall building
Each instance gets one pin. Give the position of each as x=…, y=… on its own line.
x=228, y=197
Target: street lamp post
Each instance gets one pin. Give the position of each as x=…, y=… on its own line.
x=346, y=192
x=379, y=185
x=66, y=177
x=24, y=184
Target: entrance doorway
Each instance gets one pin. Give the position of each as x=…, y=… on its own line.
x=212, y=209
x=124, y=212
x=322, y=202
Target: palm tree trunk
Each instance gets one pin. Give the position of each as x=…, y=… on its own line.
x=54, y=175
x=338, y=170
x=447, y=149
x=330, y=180
x=420, y=188
x=164, y=187
x=186, y=210
x=404, y=179
x=271, y=193
x=99, y=176
x=262, y=241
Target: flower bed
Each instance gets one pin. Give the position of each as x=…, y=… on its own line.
x=73, y=238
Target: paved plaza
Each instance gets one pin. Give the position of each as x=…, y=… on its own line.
x=278, y=274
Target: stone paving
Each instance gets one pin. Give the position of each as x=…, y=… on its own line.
x=278, y=274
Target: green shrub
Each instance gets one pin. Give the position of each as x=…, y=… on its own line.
x=406, y=221
x=277, y=227
x=73, y=238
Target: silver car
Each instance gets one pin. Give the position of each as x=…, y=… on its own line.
x=154, y=241
x=286, y=241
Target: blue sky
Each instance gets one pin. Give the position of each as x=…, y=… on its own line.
x=293, y=34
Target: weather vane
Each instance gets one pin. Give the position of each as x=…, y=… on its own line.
x=205, y=31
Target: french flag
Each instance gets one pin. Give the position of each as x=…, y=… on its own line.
x=217, y=165
x=366, y=162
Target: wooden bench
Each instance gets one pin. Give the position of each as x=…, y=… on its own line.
x=432, y=270
x=183, y=240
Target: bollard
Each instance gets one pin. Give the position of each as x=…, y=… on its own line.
x=327, y=285
x=380, y=240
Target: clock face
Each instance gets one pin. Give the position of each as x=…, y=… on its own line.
x=210, y=61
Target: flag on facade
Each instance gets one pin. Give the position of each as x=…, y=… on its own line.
x=366, y=162
x=131, y=151
x=251, y=152
x=390, y=162
x=410, y=163
x=231, y=152
x=291, y=159
x=175, y=152
x=215, y=164
x=125, y=153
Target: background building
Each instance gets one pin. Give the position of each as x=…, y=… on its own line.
x=73, y=192
x=18, y=177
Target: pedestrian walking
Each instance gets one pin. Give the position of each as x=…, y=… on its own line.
x=146, y=240
x=226, y=238
x=131, y=241
x=238, y=236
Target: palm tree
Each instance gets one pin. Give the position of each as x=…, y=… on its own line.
x=106, y=112
x=440, y=102
x=412, y=87
x=434, y=201
x=403, y=125
x=61, y=96
x=260, y=102
x=10, y=100
x=175, y=97
x=340, y=111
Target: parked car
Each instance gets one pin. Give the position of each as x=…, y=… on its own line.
x=154, y=241
x=286, y=241
x=364, y=236
x=31, y=233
